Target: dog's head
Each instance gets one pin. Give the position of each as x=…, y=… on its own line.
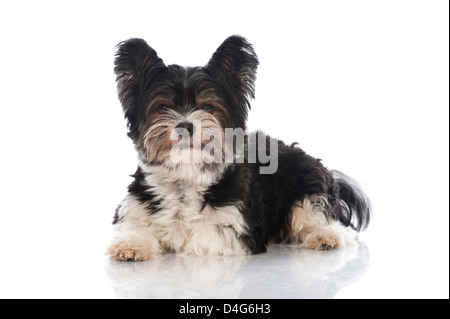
x=174, y=108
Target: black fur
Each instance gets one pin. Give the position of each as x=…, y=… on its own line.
x=136, y=66
x=355, y=207
x=143, y=192
x=233, y=68
x=266, y=201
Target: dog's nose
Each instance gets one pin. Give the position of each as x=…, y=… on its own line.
x=187, y=126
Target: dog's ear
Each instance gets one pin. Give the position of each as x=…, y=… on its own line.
x=135, y=66
x=235, y=62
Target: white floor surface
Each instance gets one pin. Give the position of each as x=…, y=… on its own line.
x=283, y=272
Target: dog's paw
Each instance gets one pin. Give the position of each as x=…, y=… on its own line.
x=124, y=251
x=324, y=239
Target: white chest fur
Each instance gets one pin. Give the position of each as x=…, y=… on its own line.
x=183, y=223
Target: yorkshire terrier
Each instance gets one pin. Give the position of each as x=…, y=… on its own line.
x=205, y=186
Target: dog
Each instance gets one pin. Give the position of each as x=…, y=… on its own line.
x=203, y=185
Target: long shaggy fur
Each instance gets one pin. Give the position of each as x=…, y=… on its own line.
x=215, y=208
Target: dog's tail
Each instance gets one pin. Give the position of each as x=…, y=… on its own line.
x=356, y=208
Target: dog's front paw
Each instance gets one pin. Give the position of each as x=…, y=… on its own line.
x=324, y=239
x=125, y=251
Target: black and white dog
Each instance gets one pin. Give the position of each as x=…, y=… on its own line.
x=203, y=186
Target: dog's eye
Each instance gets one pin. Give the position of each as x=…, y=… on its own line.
x=163, y=108
x=207, y=107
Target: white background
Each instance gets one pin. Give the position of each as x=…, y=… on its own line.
x=361, y=84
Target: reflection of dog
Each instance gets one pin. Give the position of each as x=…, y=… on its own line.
x=203, y=205
x=301, y=273
x=179, y=276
